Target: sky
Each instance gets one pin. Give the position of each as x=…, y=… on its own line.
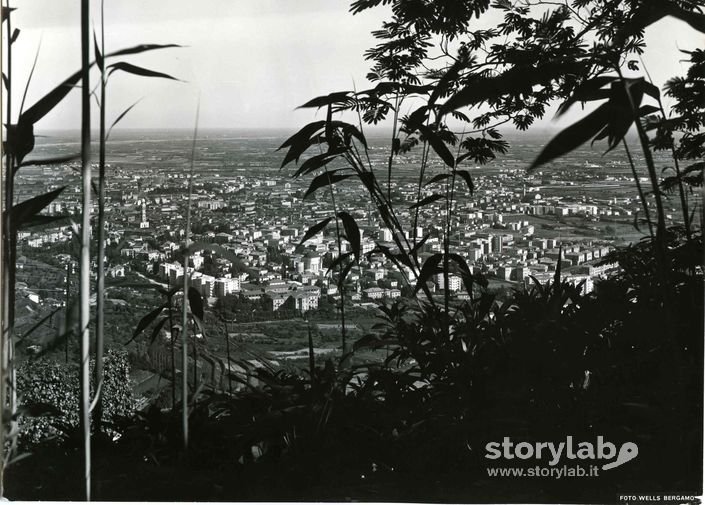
x=250, y=62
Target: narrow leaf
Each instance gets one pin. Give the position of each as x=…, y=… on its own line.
x=326, y=100
x=157, y=328
x=119, y=118
x=15, y=34
x=134, y=69
x=318, y=161
x=50, y=100
x=146, y=321
x=40, y=220
x=51, y=161
x=588, y=91
x=467, y=178
x=429, y=269
x=6, y=12
x=24, y=211
x=324, y=180
x=314, y=230
x=438, y=145
x=142, y=48
x=352, y=232
x=573, y=136
x=195, y=301
x=437, y=178
x=98, y=55
x=426, y=201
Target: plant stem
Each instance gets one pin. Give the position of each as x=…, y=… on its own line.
x=227, y=350
x=676, y=165
x=184, y=304
x=68, y=301
x=7, y=266
x=173, y=347
x=341, y=281
x=100, y=282
x=390, y=161
x=642, y=197
x=85, y=244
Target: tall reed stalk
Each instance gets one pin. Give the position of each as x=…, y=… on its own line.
x=85, y=258
x=7, y=265
x=100, y=281
x=184, y=301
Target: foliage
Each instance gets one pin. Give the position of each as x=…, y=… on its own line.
x=55, y=384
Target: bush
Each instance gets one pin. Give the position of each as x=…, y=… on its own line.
x=45, y=387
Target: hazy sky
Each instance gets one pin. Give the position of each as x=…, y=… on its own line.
x=253, y=61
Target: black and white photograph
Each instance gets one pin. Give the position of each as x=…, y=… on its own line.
x=384, y=251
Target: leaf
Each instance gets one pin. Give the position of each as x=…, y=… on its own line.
x=157, y=328
x=146, y=321
x=438, y=145
x=352, y=233
x=645, y=110
x=417, y=118
x=339, y=261
x=314, y=230
x=6, y=12
x=40, y=220
x=426, y=201
x=23, y=212
x=623, y=94
x=327, y=100
x=20, y=140
x=324, y=180
x=588, y=91
x=465, y=175
x=51, y=161
x=119, y=118
x=98, y=55
x=437, y=178
x=4, y=81
x=573, y=136
x=15, y=34
x=195, y=301
x=134, y=69
x=300, y=143
x=140, y=49
x=429, y=269
x=303, y=134
x=346, y=270
x=45, y=104
x=318, y=161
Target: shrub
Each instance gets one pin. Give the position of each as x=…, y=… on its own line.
x=46, y=386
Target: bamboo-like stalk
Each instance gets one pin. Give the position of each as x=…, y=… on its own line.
x=68, y=302
x=341, y=281
x=7, y=266
x=311, y=357
x=642, y=197
x=85, y=259
x=195, y=356
x=184, y=304
x=173, y=347
x=100, y=281
x=676, y=166
x=227, y=350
